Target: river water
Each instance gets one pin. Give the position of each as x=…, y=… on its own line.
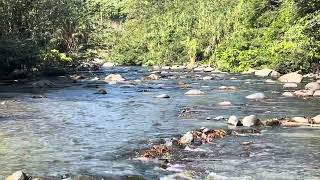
x=75, y=131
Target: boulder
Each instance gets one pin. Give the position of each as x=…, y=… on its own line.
x=266, y=73
x=225, y=103
x=108, y=65
x=208, y=69
x=316, y=119
x=19, y=175
x=291, y=77
x=43, y=84
x=199, y=69
x=256, y=96
x=316, y=93
x=250, y=121
x=304, y=93
x=233, y=120
x=250, y=71
x=101, y=91
x=288, y=94
x=313, y=86
x=194, y=92
x=152, y=77
x=207, y=78
x=163, y=96
x=275, y=74
x=300, y=120
x=114, y=78
x=290, y=85
x=187, y=138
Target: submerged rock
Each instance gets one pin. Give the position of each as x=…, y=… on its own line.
x=250, y=121
x=256, y=96
x=233, y=120
x=227, y=88
x=225, y=103
x=114, y=78
x=291, y=77
x=19, y=175
x=273, y=122
x=270, y=81
x=152, y=77
x=101, y=91
x=304, y=93
x=206, y=78
x=163, y=96
x=290, y=85
x=43, y=84
x=194, y=92
x=187, y=138
x=313, y=86
x=288, y=94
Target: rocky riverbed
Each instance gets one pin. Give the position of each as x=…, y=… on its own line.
x=132, y=122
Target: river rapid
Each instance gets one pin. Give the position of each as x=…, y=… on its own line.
x=77, y=132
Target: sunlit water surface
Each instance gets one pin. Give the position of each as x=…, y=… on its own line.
x=75, y=131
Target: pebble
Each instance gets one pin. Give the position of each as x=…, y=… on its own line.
x=225, y=103
x=163, y=96
x=194, y=92
x=256, y=96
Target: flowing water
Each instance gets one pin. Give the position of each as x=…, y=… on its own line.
x=75, y=131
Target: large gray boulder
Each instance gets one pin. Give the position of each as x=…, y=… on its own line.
x=313, y=86
x=291, y=77
x=250, y=121
x=233, y=120
x=19, y=175
x=267, y=73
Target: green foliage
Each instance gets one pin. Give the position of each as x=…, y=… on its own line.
x=233, y=35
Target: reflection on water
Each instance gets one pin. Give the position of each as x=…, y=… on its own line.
x=77, y=131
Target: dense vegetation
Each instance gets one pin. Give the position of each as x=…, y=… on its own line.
x=232, y=35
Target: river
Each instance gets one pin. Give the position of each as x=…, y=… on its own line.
x=74, y=131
